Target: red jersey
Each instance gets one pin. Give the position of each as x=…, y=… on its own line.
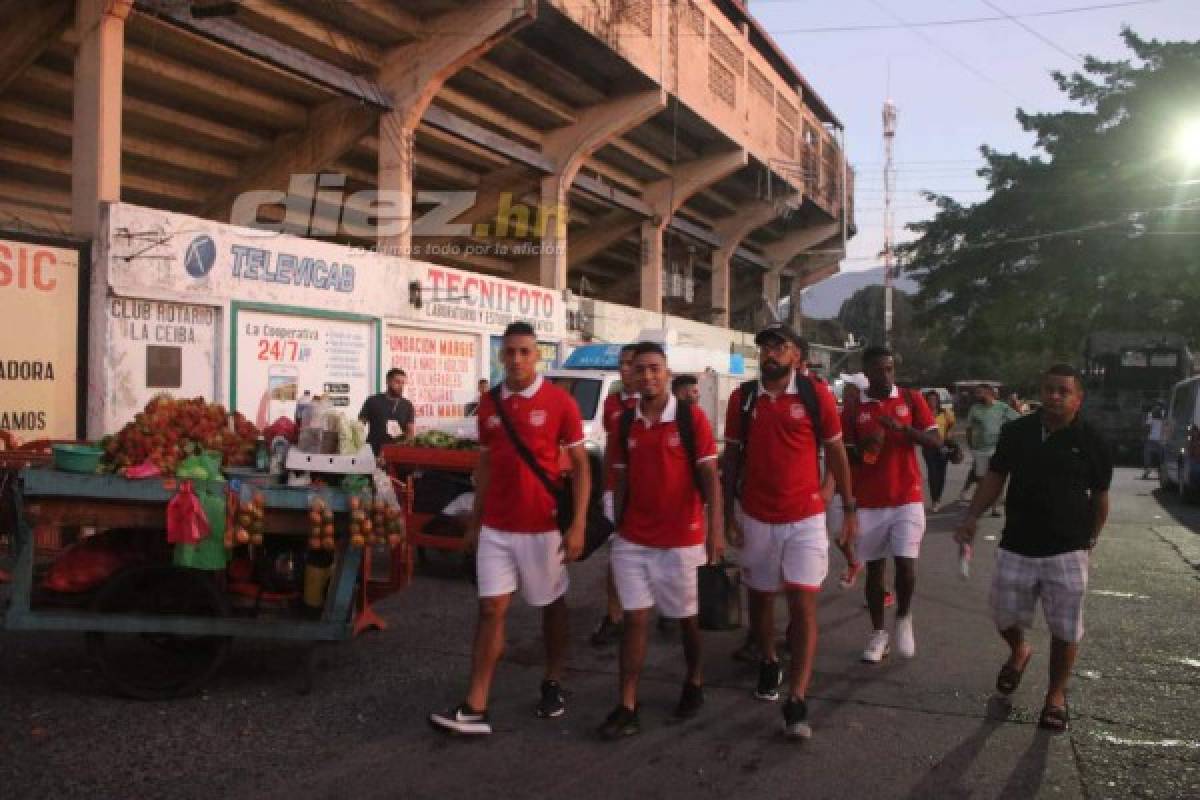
x=614, y=405
x=662, y=505
x=545, y=418
x=781, y=482
x=895, y=477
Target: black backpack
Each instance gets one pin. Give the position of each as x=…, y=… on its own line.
x=805, y=385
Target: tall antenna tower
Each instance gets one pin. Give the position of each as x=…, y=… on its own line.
x=889, y=215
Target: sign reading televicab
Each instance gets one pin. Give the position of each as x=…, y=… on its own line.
x=160, y=254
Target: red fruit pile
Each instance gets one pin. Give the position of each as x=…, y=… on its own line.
x=169, y=430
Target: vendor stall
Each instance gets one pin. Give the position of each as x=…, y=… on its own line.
x=181, y=537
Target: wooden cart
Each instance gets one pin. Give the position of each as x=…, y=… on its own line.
x=183, y=614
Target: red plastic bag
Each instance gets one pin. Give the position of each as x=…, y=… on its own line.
x=84, y=566
x=186, y=521
x=285, y=427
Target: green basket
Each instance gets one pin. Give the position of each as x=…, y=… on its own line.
x=76, y=457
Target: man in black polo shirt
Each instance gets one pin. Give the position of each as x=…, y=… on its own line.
x=389, y=415
x=1060, y=470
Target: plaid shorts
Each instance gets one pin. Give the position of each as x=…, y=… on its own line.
x=1059, y=581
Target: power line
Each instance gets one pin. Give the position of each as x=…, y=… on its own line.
x=943, y=23
x=948, y=52
x=1033, y=32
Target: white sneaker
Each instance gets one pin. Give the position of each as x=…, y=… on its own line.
x=906, y=645
x=877, y=648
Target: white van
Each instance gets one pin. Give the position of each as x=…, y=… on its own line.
x=1180, y=467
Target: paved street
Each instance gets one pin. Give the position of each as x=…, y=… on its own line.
x=907, y=729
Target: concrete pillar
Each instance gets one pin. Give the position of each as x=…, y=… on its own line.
x=96, y=134
x=652, y=265
x=553, y=221
x=732, y=231
x=395, y=170
x=722, y=259
x=412, y=75
x=771, y=279
x=666, y=196
x=569, y=147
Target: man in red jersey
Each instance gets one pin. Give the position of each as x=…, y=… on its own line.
x=886, y=426
x=774, y=428
x=609, y=629
x=666, y=462
x=514, y=528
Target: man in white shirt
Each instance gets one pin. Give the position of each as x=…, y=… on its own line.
x=1152, y=452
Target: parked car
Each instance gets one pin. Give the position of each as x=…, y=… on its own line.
x=1180, y=467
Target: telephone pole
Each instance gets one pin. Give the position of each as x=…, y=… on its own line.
x=889, y=215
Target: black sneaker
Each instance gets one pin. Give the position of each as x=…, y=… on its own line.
x=690, y=701
x=770, y=678
x=462, y=720
x=606, y=633
x=620, y=723
x=552, y=704
x=795, y=719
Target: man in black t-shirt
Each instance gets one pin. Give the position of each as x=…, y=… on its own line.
x=389, y=416
x=1059, y=471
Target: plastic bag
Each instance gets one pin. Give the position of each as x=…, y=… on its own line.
x=351, y=435
x=186, y=520
x=84, y=566
x=147, y=469
x=284, y=427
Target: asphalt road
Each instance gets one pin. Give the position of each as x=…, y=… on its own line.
x=906, y=729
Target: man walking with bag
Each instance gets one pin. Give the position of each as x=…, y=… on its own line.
x=514, y=529
x=884, y=429
x=774, y=429
x=1059, y=471
x=666, y=458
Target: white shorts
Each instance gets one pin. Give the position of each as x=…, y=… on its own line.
x=895, y=532
x=983, y=460
x=532, y=561
x=794, y=555
x=658, y=576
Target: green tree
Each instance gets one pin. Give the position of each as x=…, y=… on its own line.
x=862, y=314
x=1098, y=230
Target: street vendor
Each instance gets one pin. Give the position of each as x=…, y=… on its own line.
x=389, y=416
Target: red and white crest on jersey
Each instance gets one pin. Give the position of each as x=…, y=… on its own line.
x=780, y=481
x=895, y=477
x=516, y=501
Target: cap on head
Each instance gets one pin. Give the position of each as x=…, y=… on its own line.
x=780, y=332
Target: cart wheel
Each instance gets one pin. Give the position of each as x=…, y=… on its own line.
x=159, y=666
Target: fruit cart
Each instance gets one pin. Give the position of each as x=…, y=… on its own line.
x=402, y=461
x=160, y=630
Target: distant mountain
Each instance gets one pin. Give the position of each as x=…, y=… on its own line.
x=824, y=300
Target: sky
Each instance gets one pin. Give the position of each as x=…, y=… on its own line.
x=955, y=86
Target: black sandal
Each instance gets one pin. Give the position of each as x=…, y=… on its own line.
x=1056, y=719
x=1010, y=677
